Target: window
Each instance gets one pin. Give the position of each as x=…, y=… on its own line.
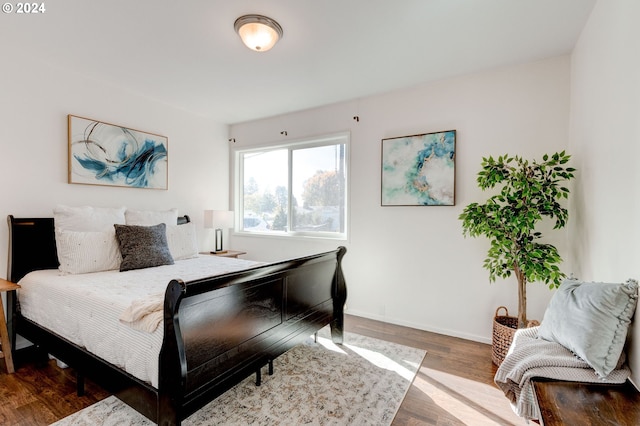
x=294, y=189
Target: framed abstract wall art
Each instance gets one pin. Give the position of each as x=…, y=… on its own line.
x=107, y=154
x=419, y=170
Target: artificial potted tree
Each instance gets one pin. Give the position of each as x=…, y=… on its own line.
x=530, y=192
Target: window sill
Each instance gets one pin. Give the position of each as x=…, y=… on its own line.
x=286, y=236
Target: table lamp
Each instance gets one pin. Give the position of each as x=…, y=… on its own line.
x=218, y=219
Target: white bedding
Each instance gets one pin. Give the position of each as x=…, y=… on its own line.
x=85, y=308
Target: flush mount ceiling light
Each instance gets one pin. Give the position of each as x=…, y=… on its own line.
x=258, y=32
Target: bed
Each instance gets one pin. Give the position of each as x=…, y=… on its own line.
x=213, y=332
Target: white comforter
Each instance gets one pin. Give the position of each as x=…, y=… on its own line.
x=86, y=308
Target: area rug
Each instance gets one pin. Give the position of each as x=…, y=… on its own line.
x=361, y=382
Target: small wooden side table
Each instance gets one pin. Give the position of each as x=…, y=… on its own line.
x=226, y=253
x=4, y=333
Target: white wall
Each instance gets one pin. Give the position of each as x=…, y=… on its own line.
x=36, y=99
x=605, y=135
x=411, y=265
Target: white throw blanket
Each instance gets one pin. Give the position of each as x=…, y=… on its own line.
x=144, y=314
x=530, y=357
x=148, y=313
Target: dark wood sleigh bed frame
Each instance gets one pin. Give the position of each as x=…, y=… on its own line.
x=271, y=308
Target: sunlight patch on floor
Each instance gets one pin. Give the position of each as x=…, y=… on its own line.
x=375, y=358
x=382, y=361
x=471, y=402
x=328, y=343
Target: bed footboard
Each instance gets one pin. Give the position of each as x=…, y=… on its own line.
x=218, y=331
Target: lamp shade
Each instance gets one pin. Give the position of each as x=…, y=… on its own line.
x=258, y=32
x=218, y=219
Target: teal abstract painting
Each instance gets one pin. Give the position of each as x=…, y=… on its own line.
x=107, y=154
x=419, y=170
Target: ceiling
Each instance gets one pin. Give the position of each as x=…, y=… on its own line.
x=186, y=53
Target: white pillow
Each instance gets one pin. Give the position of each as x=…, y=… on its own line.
x=151, y=217
x=182, y=241
x=83, y=252
x=591, y=319
x=87, y=218
x=90, y=245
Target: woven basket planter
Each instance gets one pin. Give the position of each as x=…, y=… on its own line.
x=504, y=328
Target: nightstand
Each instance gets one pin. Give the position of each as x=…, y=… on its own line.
x=226, y=253
x=4, y=333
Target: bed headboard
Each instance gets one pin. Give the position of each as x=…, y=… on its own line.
x=32, y=245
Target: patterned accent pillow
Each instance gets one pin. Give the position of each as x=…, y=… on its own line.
x=143, y=246
x=591, y=320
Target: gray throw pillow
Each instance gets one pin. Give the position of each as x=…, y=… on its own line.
x=591, y=320
x=143, y=246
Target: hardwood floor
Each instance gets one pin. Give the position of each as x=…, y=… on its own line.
x=40, y=393
x=455, y=383
x=453, y=387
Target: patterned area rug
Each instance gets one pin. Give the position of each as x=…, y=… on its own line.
x=361, y=382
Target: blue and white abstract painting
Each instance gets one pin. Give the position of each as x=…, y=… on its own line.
x=106, y=154
x=419, y=170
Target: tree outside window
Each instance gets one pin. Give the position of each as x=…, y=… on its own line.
x=299, y=189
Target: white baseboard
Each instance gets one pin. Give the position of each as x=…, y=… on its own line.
x=446, y=332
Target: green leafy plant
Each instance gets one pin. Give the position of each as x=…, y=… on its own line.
x=530, y=191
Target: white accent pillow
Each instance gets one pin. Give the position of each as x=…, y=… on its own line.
x=87, y=218
x=182, y=241
x=151, y=217
x=85, y=238
x=83, y=252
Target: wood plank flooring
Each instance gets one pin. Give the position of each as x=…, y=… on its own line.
x=455, y=383
x=453, y=387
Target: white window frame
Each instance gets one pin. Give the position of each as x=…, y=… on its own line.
x=326, y=140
